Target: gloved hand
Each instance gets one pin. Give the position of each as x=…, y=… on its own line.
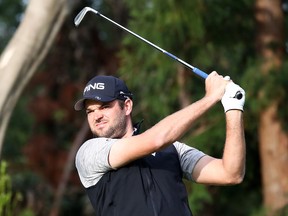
x=229, y=101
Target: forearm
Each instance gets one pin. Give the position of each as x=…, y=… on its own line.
x=174, y=126
x=235, y=148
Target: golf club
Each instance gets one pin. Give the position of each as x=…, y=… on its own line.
x=195, y=70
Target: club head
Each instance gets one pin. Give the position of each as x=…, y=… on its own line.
x=81, y=14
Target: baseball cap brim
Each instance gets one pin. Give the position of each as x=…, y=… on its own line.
x=79, y=105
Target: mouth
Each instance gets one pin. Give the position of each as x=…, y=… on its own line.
x=100, y=124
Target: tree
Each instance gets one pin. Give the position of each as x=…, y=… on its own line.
x=273, y=139
x=26, y=50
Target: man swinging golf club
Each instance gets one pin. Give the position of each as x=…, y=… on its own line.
x=127, y=173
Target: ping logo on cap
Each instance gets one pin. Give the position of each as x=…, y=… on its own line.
x=99, y=86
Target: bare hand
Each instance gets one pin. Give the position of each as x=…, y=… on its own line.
x=215, y=86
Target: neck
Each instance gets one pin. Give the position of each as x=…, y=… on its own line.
x=130, y=130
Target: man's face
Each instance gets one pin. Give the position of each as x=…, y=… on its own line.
x=106, y=119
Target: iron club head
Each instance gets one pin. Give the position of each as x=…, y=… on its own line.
x=82, y=13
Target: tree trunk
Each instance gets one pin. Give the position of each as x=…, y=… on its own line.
x=272, y=139
x=25, y=52
x=182, y=77
x=79, y=139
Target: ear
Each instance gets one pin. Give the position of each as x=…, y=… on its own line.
x=128, y=106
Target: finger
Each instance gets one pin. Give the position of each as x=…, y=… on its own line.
x=213, y=73
x=227, y=78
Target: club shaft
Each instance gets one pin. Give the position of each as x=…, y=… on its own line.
x=197, y=71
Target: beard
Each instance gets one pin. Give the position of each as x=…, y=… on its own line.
x=117, y=130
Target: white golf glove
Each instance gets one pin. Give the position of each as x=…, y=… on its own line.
x=230, y=100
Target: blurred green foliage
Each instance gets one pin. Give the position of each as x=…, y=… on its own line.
x=19, y=131
x=11, y=12
x=9, y=200
x=5, y=191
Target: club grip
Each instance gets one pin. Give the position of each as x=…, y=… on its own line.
x=204, y=75
x=200, y=73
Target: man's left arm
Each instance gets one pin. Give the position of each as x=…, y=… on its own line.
x=231, y=168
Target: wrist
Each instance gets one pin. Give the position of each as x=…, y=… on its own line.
x=234, y=114
x=210, y=99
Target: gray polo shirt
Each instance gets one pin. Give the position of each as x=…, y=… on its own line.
x=92, y=159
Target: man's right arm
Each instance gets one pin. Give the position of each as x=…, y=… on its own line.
x=169, y=129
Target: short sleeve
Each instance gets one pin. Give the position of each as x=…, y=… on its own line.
x=188, y=157
x=92, y=160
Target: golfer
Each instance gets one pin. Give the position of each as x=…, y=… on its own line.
x=127, y=173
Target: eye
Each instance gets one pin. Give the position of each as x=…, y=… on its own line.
x=88, y=112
